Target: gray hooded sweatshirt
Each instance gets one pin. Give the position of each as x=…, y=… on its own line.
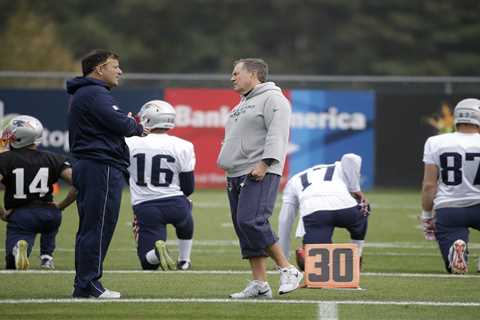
x=257, y=128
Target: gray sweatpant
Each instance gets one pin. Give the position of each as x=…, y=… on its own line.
x=251, y=205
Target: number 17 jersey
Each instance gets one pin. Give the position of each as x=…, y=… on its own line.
x=457, y=157
x=325, y=187
x=155, y=164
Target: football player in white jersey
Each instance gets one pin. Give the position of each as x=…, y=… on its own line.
x=451, y=186
x=161, y=178
x=327, y=196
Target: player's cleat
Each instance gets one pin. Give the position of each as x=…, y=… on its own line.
x=184, y=265
x=109, y=294
x=166, y=263
x=457, y=256
x=21, y=257
x=290, y=279
x=254, y=290
x=46, y=262
x=300, y=257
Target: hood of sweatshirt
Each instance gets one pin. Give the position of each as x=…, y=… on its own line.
x=78, y=82
x=262, y=88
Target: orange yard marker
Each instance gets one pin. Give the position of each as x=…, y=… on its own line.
x=332, y=266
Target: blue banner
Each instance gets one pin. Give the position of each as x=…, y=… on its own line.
x=51, y=107
x=327, y=124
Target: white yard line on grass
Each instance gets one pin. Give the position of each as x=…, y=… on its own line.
x=226, y=272
x=327, y=311
x=273, y=301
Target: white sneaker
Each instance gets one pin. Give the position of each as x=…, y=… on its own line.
x=184, y=265
x=254, y=290
x=458, y=257
x=109, y=294
x=46, y=262
x=21, y=256
x=290, y=279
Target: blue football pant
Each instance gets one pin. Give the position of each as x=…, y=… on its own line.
x=152, y=218
x=319, y=225
x=25, y=223
x=452, y=224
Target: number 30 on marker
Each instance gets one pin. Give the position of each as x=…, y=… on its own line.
x=332, y=266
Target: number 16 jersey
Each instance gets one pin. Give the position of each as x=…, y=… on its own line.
x=155, y=164
x=457, y=157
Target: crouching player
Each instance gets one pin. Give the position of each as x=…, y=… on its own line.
x=451, y=186
x=161, y=179
x=327, y=196
x=28, y=175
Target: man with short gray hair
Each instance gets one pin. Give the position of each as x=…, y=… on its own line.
x=253, y=156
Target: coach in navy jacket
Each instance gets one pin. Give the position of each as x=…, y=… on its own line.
x=97, y=128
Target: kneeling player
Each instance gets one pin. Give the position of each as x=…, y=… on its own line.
x=327, y=196
x=451, y=186
x=29, y=175
x=161, y=179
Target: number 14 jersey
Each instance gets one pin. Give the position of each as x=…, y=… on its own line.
x=29, y=175
x=155, y=164
x=457, y=157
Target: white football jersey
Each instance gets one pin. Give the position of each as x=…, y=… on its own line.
x=155, y=164
x=321, y=187
x=457, y=156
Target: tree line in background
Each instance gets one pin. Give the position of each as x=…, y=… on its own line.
x=334, y=37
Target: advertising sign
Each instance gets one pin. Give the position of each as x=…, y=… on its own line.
x=201, y=117
x=327, y=124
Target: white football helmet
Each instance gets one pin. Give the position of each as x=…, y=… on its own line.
x=467, y=111
x=23, y=131
x=157, y=114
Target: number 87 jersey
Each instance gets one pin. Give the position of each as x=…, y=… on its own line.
x=156, y=162
x=457, y=157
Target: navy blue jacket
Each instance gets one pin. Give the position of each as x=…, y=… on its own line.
x=96, y=125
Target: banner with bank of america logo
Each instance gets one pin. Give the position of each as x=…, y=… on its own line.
x=324, y=126
x=327, y=124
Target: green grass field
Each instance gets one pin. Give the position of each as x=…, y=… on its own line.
x=402, y=276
